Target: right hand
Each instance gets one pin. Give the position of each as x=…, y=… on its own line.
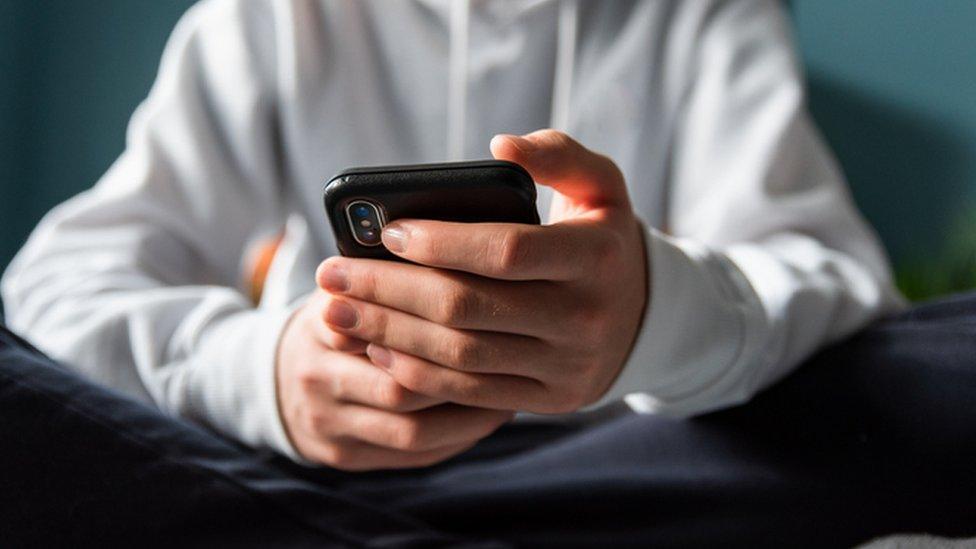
x=341, y=410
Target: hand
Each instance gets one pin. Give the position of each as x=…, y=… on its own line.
x=341, y=410
x=506, y=316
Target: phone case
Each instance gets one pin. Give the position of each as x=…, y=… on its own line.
x=477, y=191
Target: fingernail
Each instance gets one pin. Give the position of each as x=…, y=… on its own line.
x=381, y=356
x=341, y=315
x=334, y=279
x=522, y=144
x=395, y=238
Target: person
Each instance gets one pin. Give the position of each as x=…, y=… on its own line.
x=698, y=258
x=706, y=250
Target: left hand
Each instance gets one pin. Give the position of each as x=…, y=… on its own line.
x=506, y=316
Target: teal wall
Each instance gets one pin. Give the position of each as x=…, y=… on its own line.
x=71, y=73
x=892, y=85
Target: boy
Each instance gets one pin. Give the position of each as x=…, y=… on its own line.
x=709, y=251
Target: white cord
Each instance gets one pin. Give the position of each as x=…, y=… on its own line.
x=562, y=82
x=458, y=78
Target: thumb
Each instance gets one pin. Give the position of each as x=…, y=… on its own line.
x=557, y=160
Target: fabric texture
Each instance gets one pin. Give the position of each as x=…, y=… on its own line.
x=874, y=436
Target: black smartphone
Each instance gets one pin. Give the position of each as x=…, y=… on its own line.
x=360, y=201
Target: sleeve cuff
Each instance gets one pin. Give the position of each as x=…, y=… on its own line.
x=700, y=332
x=235, y=387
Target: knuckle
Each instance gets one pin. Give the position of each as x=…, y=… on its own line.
x=318, y=423
x=510, y=250
x=338, y=456
x=469, y=391
x=409, y=435
x=605, y=160
x=457, y=307
x=464, y=353
x=411, y=375
x=376, y=324
x=392, y=396
x=559, y=138
x=308, y=379
x=368, y=284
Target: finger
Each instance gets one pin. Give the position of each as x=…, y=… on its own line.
x=506, y=251
x=355, y=380
x=445, y=425
x=356, y=455
x=343, y=343
x=556, y=160
x=470, y=351
x=500, y=392
x=449, y=298
x=328, y=337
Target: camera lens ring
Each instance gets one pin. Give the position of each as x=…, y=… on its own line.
x=366, y=220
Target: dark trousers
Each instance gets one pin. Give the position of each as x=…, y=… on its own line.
x=873, y=436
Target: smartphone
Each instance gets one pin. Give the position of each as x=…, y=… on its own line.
x=360, y=201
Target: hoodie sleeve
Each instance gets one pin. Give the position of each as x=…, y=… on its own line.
x=136, y=282
x=767, y=258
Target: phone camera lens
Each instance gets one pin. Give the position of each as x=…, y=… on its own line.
x=366, y=221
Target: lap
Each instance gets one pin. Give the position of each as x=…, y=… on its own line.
x=872, y=436
x=876, y=434
x=82, y=464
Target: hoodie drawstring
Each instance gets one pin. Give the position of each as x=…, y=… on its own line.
x=458, y=78
x=562, y=83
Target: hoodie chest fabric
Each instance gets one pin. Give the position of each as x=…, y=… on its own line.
x=371, y=85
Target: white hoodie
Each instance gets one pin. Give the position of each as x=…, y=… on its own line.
x=757, y=254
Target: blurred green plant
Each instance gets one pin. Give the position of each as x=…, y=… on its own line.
x=948, y=270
